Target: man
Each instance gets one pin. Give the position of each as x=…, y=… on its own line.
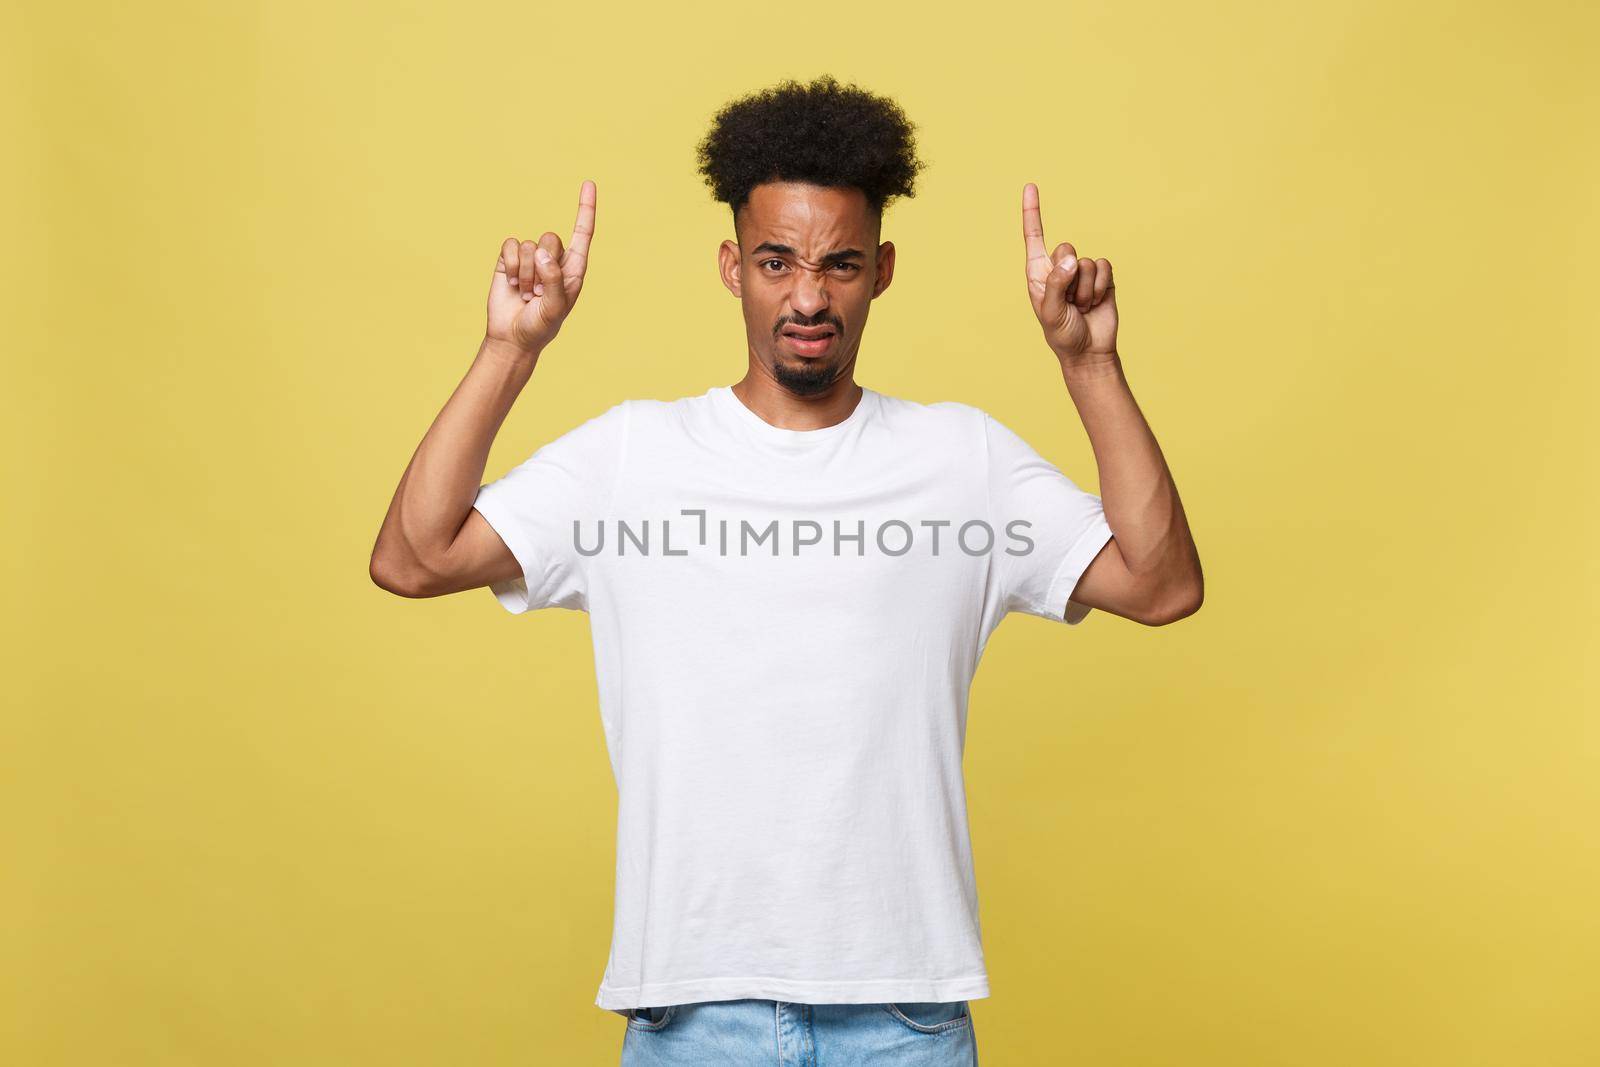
x=790, y=582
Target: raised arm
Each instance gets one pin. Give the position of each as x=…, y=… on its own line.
x=432, y=542
x=1150, y=569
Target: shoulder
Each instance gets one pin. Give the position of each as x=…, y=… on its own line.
x=647, y=413
x=587, y=436
x=609, y=423
x=962, y=427
x=940, y=416
x=648, y=407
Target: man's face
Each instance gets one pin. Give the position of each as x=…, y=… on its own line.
x=807, y=264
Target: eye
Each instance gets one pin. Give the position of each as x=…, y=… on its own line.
x=766, y=262
x=849, y=266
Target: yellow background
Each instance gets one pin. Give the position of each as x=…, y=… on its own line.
x=258, y=811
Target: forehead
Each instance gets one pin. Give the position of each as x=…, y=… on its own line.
x=802, y=215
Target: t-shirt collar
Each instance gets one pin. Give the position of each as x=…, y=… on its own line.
x=763, y=430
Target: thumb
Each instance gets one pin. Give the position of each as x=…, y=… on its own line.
x=548, y=270
x=1056, y=307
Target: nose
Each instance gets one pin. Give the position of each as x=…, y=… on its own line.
x=809, y=295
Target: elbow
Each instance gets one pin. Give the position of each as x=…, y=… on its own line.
x=393, y=576
x=1178, y=603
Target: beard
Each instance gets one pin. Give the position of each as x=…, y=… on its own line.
x=803, y=379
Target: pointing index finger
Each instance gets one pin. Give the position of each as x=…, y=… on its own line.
x=1032, y=227
x=583, y=228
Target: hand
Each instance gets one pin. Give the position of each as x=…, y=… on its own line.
x=1074, y=298
x=529, y=298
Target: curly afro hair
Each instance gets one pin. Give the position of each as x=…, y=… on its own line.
x=823, y=133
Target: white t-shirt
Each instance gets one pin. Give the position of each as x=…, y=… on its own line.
x=786, y=625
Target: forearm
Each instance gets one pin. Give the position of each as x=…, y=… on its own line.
x=1136, y=488
x=440, y=483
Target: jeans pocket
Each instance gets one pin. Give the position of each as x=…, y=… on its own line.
x=931, y=1017
x=652, y=1019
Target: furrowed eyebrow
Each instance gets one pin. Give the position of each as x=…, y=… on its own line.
x=831, y=257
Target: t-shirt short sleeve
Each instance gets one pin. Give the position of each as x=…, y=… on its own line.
x=535, y=505
x=1032, y=501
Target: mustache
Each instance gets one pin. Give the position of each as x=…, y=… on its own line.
x=826, y=320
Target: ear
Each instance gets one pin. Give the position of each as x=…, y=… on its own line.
x=885, y=268
x=728, y=263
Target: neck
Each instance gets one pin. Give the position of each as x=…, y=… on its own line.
x=761, y=393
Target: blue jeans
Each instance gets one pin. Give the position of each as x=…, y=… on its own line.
x=776, y=1033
